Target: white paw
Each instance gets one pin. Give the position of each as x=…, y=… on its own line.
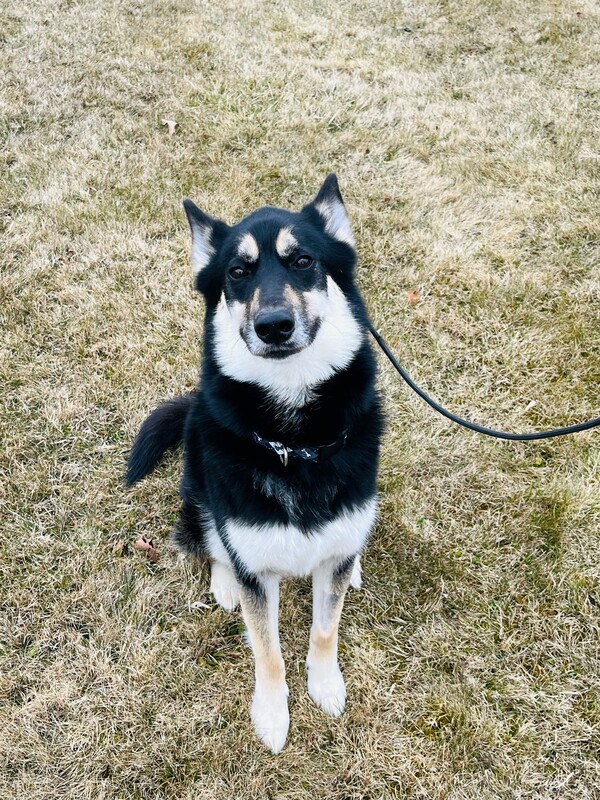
x=224, y=586
x=271, y=718
x=356, y=577
x=327, y=689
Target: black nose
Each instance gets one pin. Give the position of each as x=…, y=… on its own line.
x=274, y=326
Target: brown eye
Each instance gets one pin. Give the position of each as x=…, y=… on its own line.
x=237, y=272
x=303, y=262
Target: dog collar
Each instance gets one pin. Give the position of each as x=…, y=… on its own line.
x=305, y=453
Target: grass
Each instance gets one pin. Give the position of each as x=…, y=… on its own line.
x=465, y=139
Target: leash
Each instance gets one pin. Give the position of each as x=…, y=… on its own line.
x=519, y=437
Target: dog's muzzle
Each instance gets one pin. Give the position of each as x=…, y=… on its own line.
x=274, y=325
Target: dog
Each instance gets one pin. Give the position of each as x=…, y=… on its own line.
x=281, y=440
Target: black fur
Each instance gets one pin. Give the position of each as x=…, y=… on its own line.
x=221, y=459
x=224, y=468
x=161, y=430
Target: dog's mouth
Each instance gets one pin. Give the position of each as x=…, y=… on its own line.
x=278, y=352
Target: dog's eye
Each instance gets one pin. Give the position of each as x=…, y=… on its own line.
x=303, y=262
x=238, y=271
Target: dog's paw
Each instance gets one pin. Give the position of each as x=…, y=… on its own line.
x=327, y=689
x=271, y=718
x=356, y=577
x=224, y=586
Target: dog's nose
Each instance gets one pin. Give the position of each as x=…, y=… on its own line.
x=274, y=325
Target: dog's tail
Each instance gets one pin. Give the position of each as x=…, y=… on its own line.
x=161, y=430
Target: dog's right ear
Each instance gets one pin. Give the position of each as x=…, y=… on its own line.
x=206, y=233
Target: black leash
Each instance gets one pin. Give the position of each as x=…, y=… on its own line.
x=520, y=437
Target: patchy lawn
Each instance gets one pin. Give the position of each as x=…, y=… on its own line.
x=465, y=138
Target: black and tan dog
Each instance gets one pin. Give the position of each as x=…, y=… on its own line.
x=282, y=438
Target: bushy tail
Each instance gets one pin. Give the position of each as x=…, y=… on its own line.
x=161, y=430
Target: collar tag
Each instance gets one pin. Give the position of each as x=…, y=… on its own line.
x=304, y=453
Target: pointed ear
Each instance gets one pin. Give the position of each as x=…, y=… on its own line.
x=330, y=206
x=205, y=231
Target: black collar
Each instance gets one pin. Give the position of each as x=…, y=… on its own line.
x=315, y=454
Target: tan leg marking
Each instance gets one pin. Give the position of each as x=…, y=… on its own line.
x=269, y=710
x=325, y=682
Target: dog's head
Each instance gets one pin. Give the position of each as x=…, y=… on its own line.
x=279, y=286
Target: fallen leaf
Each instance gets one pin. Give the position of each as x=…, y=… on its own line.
x=171, y=125
x=200, y=604
x=147, y=545
x=413, y=297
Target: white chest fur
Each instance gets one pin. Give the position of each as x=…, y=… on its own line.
x=290, y=381
x=287, y=551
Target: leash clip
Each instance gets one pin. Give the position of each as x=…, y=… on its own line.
x=283, y=457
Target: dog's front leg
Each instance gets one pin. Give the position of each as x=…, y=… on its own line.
x=325, y=682
x=269, y=709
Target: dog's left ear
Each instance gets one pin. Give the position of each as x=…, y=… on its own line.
x=329, y=205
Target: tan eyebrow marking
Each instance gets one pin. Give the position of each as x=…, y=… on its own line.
x=248, y=248
x=285, y=242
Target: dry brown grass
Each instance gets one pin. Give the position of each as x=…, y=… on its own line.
x=465, y=136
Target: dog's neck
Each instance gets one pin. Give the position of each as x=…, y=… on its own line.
x=330, y=406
